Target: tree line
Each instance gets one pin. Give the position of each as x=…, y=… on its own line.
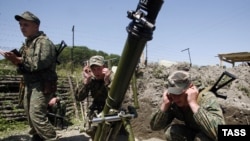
x=76, y=57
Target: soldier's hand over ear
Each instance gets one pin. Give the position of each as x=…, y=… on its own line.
x=106, y=73
x=86, y=74
x=192, y=96
x=166, y=101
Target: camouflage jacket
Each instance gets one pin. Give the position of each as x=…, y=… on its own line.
x=39, y=59
x=207, y=119
x=97, y=89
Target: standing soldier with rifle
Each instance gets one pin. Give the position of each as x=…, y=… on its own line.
x=37, y=64
x=97, y=81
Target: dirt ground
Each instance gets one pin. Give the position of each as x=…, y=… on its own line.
x=72, y=133
x=150, y=85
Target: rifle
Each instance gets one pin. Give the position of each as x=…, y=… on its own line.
x=140, y=30
x=228, y=77
x=58, y=117
x=59, y=50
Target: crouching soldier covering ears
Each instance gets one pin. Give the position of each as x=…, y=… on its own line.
x=200, y=112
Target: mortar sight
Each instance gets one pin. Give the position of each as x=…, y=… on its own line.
x=144, y=17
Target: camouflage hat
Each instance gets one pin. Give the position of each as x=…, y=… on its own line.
x=96, y=60
x=28, y=16
x=178, y=81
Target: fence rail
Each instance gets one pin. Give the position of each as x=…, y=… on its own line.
x=9, y=94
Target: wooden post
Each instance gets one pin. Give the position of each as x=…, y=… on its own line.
x=73, y=97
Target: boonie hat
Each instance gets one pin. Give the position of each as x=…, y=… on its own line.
x=96, y=60
x=28, y=16
x=178, y=81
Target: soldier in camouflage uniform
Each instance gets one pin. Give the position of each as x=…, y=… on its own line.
x=37, y=64
x=200, y=112
x=97, y=81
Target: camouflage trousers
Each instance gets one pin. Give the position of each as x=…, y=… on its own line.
x=179, y=132
x=35, y=106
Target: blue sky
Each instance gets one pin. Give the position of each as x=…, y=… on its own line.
x=206, y=27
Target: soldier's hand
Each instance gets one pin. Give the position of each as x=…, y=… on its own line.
x=166, y=102
x=192, y=96
x=2, y=52
x=12, y=57
x=86, y=74
x=52, y=101
x=107, y=74
x=166, y=97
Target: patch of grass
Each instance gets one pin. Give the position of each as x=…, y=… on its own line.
x=7, y=127
x=75, y=121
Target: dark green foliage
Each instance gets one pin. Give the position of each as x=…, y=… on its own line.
x=83, y=53
x=71, y=60
x=7, y=72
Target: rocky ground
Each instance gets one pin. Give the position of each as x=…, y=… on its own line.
x=151, y=84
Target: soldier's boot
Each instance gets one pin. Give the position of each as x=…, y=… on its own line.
x=32, y=131
x=36, y=137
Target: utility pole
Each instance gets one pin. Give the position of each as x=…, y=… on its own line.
x=188, y=55
x=72, y=60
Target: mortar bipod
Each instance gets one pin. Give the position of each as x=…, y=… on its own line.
x=219, y=83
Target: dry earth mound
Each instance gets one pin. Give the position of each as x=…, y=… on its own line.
x=152, y=83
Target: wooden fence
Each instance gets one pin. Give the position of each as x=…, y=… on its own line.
x=9, y=97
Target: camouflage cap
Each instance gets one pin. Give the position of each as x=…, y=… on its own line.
x=96, y=60
x=28, y=16
x=178, y=81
